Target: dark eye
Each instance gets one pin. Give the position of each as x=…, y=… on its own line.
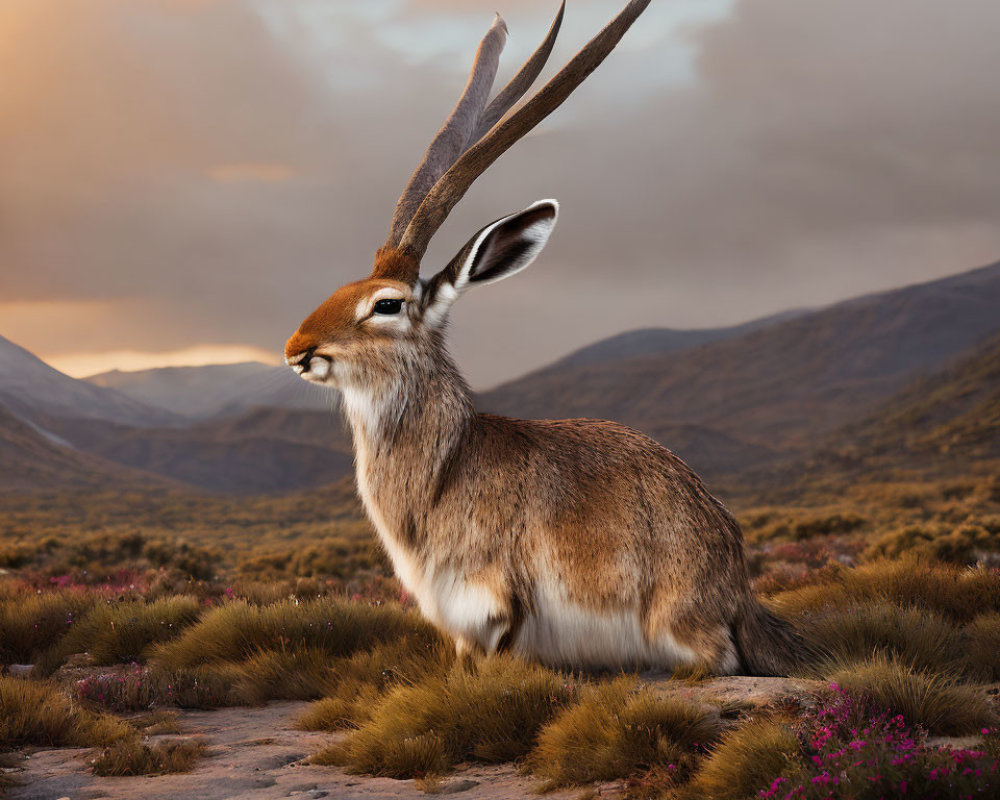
x=388, y=306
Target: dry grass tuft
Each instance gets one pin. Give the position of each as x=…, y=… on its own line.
x=121, y=633
x=982, y=646
x=957, y=594
x=157, y=723
x=490, y=711
x=617, y=731
x=364, y=678
x=744, y=762
x=133, y=757
x=933, y=701
x=918, y=637
x=32, y=623
x=38, y=713
x=238, y=631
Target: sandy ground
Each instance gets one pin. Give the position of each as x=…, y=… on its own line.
x=252, y=753
x=255, y=753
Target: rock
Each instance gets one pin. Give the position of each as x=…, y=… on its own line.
x=458, y=786
x=20, y=670
x=278, y=761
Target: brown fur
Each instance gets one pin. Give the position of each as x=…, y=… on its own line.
x=620, y=522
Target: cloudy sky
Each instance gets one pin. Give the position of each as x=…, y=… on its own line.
x=181, y=181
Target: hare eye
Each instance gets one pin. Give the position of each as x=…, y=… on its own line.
x=388, y=306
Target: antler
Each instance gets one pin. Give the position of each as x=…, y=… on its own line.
x=476, y=135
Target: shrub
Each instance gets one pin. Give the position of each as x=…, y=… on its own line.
x=966, y=543
x=489, y=711
x=852, y=751
x=934, y=702
x=133, y=757
x=616, y=731
x=38, y=713
x=121, y=691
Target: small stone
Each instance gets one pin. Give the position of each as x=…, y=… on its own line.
x=20, y=670
x=458, y=786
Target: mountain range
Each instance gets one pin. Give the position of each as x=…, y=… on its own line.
x=909, y=373
x=216, y=389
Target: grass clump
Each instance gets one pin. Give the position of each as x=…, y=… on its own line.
x=120, y=633
x=30, y=623
x=955, y=593
x=238, y=631
x=933, y=701
x=744, y=762
x=242, y=654
x=982, y=646
x=38, y=713
x=157, y=723
x=617, y=731
x=134, y=757
x=918, y=637
x=364, y=678
x=488, y=711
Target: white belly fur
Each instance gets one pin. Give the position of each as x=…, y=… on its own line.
x=561, y=633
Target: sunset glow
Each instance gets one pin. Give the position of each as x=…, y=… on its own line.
x=86, y=364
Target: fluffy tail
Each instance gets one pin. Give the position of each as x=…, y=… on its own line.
x=767, y=644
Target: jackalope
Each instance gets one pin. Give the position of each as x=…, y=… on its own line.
x=576, y=542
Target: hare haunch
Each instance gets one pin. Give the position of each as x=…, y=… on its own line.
x=577, y=542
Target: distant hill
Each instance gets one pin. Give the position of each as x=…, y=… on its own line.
x=30, y=386
x=32, y=459
x=264, y=450
x=752, y=400
x=954, y=412
x=784, y=386
x=659, y=341
x=216, y=389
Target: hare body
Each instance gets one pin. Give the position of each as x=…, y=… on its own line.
x=577, y=542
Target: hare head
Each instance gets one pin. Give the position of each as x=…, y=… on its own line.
x=366, y=331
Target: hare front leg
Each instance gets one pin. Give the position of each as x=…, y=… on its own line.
x=497, y=636
x=476, y=612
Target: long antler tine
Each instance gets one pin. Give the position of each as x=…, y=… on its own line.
x=455, y=134
x=453, y=185
x=520, y=83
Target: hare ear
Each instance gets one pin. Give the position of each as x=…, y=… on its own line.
x=499, y=250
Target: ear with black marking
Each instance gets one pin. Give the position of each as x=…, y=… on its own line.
x=501, y=249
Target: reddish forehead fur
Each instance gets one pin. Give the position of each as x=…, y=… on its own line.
x=396, y=265
x=337, y=315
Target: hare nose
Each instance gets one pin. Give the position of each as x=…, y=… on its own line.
x=302, y=363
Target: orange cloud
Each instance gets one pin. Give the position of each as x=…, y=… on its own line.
x=82, y=365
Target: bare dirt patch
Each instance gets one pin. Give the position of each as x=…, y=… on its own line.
x=253, y=753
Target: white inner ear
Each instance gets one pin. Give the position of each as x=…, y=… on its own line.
x=536, y=234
